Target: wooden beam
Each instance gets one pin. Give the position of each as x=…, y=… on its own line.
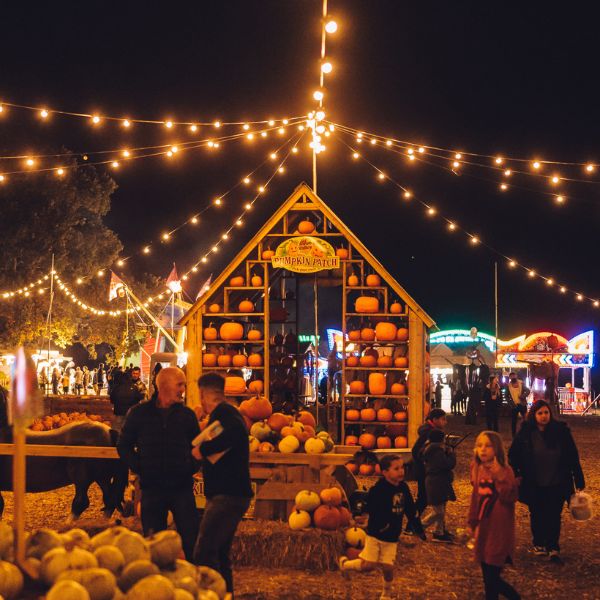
x=416, y=367
x=63, y=451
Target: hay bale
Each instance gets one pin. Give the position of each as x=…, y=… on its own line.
x=272, y=544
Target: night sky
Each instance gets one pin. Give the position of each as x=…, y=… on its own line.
x=483, y=77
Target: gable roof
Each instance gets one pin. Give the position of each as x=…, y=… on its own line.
x=304, y=191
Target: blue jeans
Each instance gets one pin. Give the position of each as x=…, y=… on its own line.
x=217, y=529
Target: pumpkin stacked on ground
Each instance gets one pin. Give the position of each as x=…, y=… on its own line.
x=325, y=510
x=50, y=422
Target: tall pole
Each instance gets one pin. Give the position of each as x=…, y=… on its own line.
x=316, y=309
x=49, y=317
x=496, y=310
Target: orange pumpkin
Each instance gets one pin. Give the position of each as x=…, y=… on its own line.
x=246, y=306
x=210, y=333
x=234, y=386
x=238, y=281
x=384, y=442
x=231, y=331
x=352, y=467
x=331, y=496
x=277, y=421
x=368, y=360
x=214, y=308
x=366, y=470
x=239, y=360
x=254, y=335
x=377, y=384
x=385, y=331
x=352, y=280
x=266, y=447
x=352, y=414
x=401, y=416
x=342, y=253
x=345, y=516
x=357, y=387
x=366, y=304
x=224, y=360
x=306, y=419
x=267, y=254
x=373, y=280
x=327, y=517
x=401, y=362
x=398, y=389
x=367, y=334
x=384, y=414
x=396, y=308
x=256, y=281
x=385, y=361
x=368, y=414
x=354, y=335
x=255, y=360
x=209, y=359
x=306, y=226
x=367, y=441
x=401, y=442
x=351, y=440
x=402, y=334
x=256, y=386
x=352, y=361
x=256, y=408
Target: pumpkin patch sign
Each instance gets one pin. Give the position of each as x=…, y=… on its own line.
x=305, y=254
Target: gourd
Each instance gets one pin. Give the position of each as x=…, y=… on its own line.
x=401, y=442
x=398, y=389
x=246, y=306
x=256, y=281
x=267, y=254
x=385, y=361
x=357, y=387
x=224, y=360
x=368, y=360
x=352, y=280
x=402, y=334
x=367, y=334
x=57, y=560
x=260, y=430
x=256, y=386
x=256, y=408
x=314, y=445
x=356, y=537
x=239, y=360
x=384, y=414
x=298, y=519
x=42, y=541
x=368, y=414
x=255, y=360
x=366, y=304
x=377, y=384
x=373, y=280
x=209, y=579
x=384, y=442
x=385, y=331
x=154, y=587
x=396, y=308
x=136, y=570
x=366, y=469
x=367, y=440
x=238, y=281
x=307, y=500
x=11, y=581
x=342, y=253
x=306, y=226
x=327, y=517
x=401, y=362
x=352, y=361
x=254, y=335
x=231, y=331
x=110, y=558
x=209, y=359
x=351, y=440
x=100, y=584
x=289, y=444
x=67, y=590
x=352, y=414
x=214, y=308
x=354, y=335
x=331, y=496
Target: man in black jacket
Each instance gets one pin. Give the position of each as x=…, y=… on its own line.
x=156, y=443
x=126, y=392
x=226, y=472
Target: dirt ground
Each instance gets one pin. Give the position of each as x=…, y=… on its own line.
x=424, y=570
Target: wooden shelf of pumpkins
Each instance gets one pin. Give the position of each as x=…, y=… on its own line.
x=232, y=315
x=348, y=422
x=249, y=342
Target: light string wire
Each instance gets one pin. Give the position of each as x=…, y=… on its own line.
x=474, y=239
x=45, y=113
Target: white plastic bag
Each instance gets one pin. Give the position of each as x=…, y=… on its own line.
x=580, y=506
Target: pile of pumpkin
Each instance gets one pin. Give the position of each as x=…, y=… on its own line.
x=323, y=511
x=115, y=564
x=384, y=331
x=50, y=422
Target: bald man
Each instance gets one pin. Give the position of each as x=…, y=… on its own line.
x=156, y=444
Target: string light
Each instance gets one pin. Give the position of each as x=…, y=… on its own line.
x=95, y=119
x=318, y=95
x=331, y=26
x=326, y=67
x=560, y=199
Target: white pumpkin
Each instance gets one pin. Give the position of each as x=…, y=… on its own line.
x=299, y=519
x=165, y=547
x=107, y=537
x=41, y=541
x=58, y=560
x=307, y=500
x=132, y=545
x=135, y=571
x=77, y=536
x=67, y=590
x=314, y=445
x=207, y=595
x=182, y=569
x=154, y=587
x=355, y=537
x=11, y=581
x=111, y=558
x=99, y=583
x=209, y=579
x=253, y=443
x=6, y=540
x=260, y=430
x=289, y=444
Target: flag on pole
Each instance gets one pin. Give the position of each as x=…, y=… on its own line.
x=173, y=281
x=116, y=287
x=204, y=287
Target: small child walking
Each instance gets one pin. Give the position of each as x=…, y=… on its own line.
x=492, y=513
x=387, y=503
x=439, y=460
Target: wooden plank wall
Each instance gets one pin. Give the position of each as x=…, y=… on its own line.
x=416, y=366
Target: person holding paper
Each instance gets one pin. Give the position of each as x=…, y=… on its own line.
x=226, y=472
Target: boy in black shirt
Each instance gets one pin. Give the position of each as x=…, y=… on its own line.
x=226, y=473
x=387, y=503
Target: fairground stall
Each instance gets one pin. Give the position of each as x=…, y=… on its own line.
x=537, y=358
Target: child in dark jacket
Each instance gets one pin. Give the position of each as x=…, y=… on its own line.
x=439, y=460
x=387, y=503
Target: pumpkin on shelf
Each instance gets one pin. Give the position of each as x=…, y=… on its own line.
x=367, y=414
x=266, y=447
x=367, y=334
x=246, y=306
x=352, y=280
x=214, y=308
x=256, y=281
x=377, y=384
x=384, y=442
x=254, y=335
x=395, y=307
x=367, y=441
x=231, y=331
x=373, y=280
x=257, y=408
x=402, y=334
x=209, y=359
x=401, y=362
x=239, y=360
x=385, y=331
x=305, y=226
x=234, y=386
x=385, y=361
x=384, y=414
x=210, y=333
x=256, y=386
x=224, y=360
x=369, y=358
x=401, y=416
x=352, y=361
x=342, y=252
x=255, y=360
x=351, y=440
x=277, y=421
x=354, y=335
x=366, y=304
x=401, y=441
x=352, y=414
x=366, y=469
x=267, y=254
x=237, y=281
x=357, y=387
x=398, y=389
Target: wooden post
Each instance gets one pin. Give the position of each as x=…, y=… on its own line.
x=416, y=366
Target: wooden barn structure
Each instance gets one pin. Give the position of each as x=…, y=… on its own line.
x=238, y=326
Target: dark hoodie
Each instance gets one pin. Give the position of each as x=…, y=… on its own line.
x=423, y=436
x=439, y=460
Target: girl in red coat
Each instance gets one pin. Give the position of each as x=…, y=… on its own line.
x=492, y=513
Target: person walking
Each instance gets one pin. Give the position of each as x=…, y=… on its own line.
x=437, y=394
x=226, y=474
x=387, y=503
x=492, y=401
x=439, y=460
x=156, y=444
x=66, y=381
x=545, y=456
x=55, y=380
x=86, y=380
x=516, y=396
x=492, y=513
x=127, y=392
x=78, y=381
x=100, y=377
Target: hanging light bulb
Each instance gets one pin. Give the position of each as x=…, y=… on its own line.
x=165, y=236
x=560, y=199
x=120, y=262
x=355, y=155
x=60, y=171
x=146, y=250
x=248, y=206
x=550, y=281
x=126, y=123
x=579, y=297
x=194, y=220
x=168, y=124
x=499, y=160
x=407, y=194
x=451, y=226
x=95, y=119
x=217, y=124
x=590, y=168
x=331, y=26
x=193, y=128
x=536, y=165
x=474, y=240
x=531, y=273
x=44, y=113
x=318, y=95
x=431, y=211
x=512, y=264
x=507, y=173
x=326, y=67
x=563, y=289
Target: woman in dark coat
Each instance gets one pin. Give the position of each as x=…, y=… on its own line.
x=492, y=401
x=544, y=455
